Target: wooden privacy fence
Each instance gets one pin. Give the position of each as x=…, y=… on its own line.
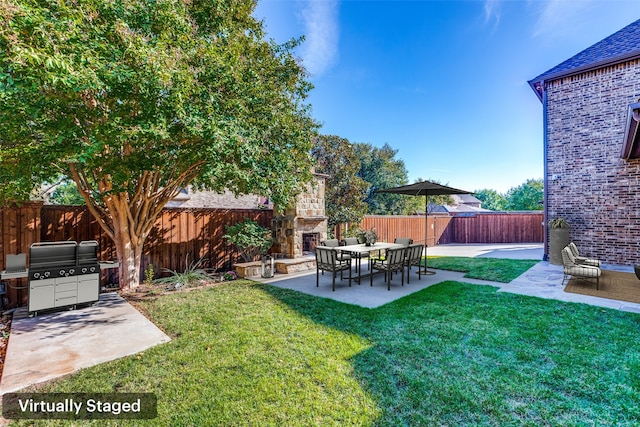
x=178, y=238
x=389, y=227
x=494, y=227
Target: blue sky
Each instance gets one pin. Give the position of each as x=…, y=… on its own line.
x=443, y=82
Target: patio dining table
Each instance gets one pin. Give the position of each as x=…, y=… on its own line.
x=358, y=250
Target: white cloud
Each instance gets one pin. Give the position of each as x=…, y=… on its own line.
x=560, y=17
x=320, y=49
x=492, y=9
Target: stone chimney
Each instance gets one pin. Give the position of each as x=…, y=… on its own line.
x=301, y=227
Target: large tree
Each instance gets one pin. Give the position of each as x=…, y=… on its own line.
x=345, y=191
x=134, y=100
x=380, y=168
x=527, y=196
x=491, y=199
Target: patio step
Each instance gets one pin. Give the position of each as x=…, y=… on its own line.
x=283, y=265
x=295, y=265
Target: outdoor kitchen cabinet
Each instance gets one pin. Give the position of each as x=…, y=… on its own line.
x=88, y=288
x=41, y=294
x=63, y=291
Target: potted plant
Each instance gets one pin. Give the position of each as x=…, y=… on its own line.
x=558, y=239
x=370, y=237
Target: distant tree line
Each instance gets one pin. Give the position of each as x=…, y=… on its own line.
x=525, y=197
x=357, y=171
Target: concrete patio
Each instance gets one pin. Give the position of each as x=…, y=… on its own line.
x=55, y=344
x=544, y=280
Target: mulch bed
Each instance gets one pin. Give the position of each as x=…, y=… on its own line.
x=614, y=285
x=5, y=329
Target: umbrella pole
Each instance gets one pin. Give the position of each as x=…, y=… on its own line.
x=426, y=233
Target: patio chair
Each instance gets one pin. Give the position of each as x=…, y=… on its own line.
x=413, y=257
x=334, y=243
x=581, y=259
x=580, y=271
x=357, y=256
x=393, y=262
x=350, y=241
x=403, y=241
x=327, y=260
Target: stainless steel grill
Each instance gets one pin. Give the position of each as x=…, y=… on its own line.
x=63, y=274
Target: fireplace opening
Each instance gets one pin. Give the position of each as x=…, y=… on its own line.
x=309, y=243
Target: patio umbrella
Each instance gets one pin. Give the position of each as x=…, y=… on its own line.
x=425, y=188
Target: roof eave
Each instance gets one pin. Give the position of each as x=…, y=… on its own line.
x=537, y=83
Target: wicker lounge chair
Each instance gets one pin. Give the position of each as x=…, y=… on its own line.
x=581, y=259
x=581, y=271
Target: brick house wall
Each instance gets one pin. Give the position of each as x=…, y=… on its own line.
x=587, y=182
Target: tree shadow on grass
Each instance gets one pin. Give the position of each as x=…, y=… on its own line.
x=461, y=354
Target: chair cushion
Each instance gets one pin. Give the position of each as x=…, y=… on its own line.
x=583, y=271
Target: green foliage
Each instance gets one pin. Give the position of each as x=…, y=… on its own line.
x=491, y=199
x=67, y=194
x=527, y=196
x=193, y=275
x=345, y=191
x=380, y=169
x=559, y=223
x=148, y=274
x=136, y=100
x=250, y=238
x=188, y=91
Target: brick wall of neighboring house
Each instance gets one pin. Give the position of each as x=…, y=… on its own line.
x=594, y=189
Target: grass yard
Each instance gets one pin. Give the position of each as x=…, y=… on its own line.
x=494, y=269
x=453, y=354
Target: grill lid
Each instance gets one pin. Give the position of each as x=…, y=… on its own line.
x=88, y=252
x=52, y=254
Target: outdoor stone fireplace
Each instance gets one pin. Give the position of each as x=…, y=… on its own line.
x=300, y=228
x=309, y=242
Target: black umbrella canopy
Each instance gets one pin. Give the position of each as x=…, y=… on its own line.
x=424, y=188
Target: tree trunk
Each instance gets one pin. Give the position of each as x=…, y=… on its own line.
x=129, y=218
x=130, y=257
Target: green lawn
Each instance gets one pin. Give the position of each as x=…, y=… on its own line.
x=494, y=269
x=453, y=354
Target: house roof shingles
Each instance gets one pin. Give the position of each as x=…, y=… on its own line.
x=618, y=47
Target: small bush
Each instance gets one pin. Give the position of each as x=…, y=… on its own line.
x=250, y=238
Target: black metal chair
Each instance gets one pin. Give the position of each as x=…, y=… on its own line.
x=393, y=262
x=350, y=241
x=331, y=243
x=414, y=257
x=334, y=243
x=327, y=260
x=403, y=241
x=347, y=241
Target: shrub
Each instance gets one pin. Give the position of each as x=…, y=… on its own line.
x=250, y=238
